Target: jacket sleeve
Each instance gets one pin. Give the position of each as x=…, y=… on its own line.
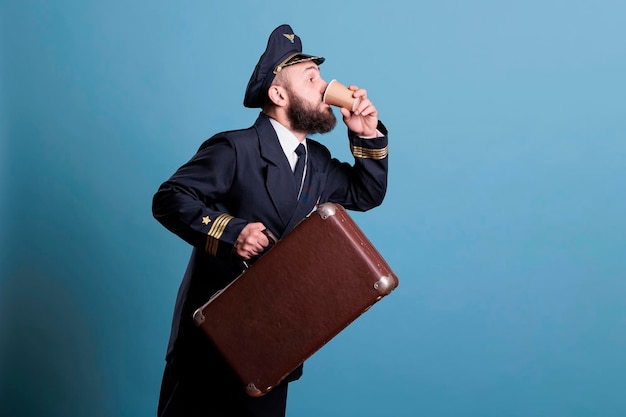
x=363, y=185
x=190, y=202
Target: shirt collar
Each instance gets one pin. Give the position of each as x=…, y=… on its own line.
x=288, y=141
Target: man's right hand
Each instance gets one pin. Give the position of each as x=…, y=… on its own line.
x=251, y=241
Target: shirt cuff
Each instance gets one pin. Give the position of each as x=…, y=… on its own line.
x=378, y=135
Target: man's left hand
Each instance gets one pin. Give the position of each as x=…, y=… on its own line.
x=364, y=120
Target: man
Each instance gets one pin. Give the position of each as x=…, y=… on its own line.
x=240, y=183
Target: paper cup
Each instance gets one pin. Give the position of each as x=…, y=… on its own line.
x=339, y=95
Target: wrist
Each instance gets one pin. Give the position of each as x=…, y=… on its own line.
x=371, y=135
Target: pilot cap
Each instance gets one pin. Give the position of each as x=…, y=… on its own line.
x=284, y=48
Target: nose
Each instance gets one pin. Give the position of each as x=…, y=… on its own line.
x=324, y=85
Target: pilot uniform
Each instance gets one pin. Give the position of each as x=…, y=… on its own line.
x=235, y=178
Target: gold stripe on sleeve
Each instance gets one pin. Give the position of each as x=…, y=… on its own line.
x=216, y=232
x=377, y=154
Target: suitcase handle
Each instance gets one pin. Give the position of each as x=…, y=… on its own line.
x=270, y=236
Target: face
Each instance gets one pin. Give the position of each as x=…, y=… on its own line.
x=306, y=111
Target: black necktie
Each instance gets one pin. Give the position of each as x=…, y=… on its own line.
x=298, y=172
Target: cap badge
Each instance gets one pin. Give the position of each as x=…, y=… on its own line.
x=289, y=36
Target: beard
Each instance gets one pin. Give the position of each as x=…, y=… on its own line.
x=306, y=118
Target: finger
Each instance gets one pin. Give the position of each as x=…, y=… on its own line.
x=257, y=248
x=363, y=103
x=368, y=109
x=248, y=252
x=263, y=241
x=243, y=254
x=359, y=92
x=255, y=243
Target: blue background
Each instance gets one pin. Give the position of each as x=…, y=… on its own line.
x=504, y=218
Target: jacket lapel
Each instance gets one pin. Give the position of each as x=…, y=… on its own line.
x=279, y=179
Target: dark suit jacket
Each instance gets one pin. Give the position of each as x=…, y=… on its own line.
x=243, y=176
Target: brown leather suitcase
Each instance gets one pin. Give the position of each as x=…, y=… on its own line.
x=305, y=290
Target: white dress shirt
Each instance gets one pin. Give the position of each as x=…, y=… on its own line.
x=289, y=143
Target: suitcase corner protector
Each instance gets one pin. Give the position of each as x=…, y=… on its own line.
x=385, y=285
x=253, y=391
x=325, y=210
x=198, y=317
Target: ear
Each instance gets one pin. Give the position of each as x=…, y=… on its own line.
x=277, y=95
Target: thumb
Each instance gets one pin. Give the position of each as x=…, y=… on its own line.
x=347, y=114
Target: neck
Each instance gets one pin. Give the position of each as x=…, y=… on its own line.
x=282, y=118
